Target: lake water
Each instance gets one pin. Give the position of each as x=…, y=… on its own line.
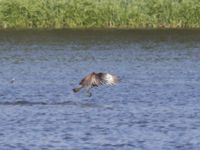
x=155, y=107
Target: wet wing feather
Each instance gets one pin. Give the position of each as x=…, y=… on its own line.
x=108, y=79
x=99, y=79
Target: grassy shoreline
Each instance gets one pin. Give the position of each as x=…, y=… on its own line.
x=99, y=14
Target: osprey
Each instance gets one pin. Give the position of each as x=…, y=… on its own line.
x=96, y=79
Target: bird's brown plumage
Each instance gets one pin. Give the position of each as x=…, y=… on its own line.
x=92, y=79
x=97, y=79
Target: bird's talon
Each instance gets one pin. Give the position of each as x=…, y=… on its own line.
x=89, y=94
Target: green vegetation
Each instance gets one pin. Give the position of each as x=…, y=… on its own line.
x=99, y=14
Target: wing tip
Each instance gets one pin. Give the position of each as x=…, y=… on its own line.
x=111, y=79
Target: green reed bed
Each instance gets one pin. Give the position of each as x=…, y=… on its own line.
x=99, y=13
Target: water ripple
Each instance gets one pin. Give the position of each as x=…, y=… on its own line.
x=155, y=107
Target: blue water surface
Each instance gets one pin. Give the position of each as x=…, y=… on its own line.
x=156, y=106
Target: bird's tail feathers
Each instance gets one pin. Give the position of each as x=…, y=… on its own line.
x=77, y=89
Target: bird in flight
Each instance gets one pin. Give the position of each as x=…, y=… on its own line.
x=95, y=80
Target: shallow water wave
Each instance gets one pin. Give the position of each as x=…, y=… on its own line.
x=66, y=103
x=155, y=107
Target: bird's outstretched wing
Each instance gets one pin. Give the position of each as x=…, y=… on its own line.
x=90, y=80
x=106, y=78
x=97, y=79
